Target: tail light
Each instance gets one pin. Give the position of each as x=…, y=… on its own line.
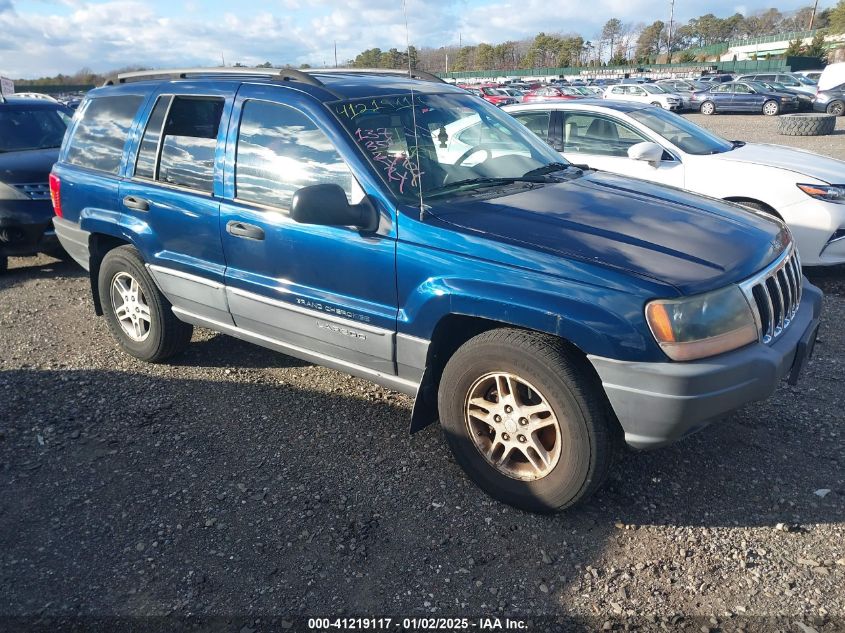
x=55, y=194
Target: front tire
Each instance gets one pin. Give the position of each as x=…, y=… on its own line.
x=526, y=419
x=708, y=107
x=139, y=317
x=771, y=108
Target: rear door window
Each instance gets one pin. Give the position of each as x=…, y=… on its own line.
x=100, y=135
x=535, y=120
x=188, y=142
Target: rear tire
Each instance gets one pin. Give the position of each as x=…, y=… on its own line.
x=836, y=108
x=4, y=264
x=140, y=318
x=708, y=107
x=555, y=445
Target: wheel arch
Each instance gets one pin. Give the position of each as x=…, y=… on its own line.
x=99, y=244
x=766, y=207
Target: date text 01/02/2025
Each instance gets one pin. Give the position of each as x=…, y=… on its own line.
x=417, y=624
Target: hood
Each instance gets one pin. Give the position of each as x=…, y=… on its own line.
x=29, y=166
x=799, y=161
x=690, y=242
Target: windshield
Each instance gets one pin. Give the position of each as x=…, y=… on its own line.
x=36, y=128
x=682, y=133
x=652, y=88
x=460, y=140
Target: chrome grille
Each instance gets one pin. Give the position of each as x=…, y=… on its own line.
x=35, y=190
x=775, y=295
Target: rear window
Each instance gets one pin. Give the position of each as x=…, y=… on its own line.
x=35, y=128
x=98, y=140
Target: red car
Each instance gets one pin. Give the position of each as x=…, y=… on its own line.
x=550, y=94
x=496, y=96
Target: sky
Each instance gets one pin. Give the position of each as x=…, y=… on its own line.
x=46, y=37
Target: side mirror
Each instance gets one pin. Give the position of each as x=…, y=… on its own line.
x=648, y=152
x=327, y=205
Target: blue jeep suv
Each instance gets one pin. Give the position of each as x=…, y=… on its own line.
x=399, y=229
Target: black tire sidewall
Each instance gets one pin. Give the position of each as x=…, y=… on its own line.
x=831, y=108
x=126, y=259
x=560, y=488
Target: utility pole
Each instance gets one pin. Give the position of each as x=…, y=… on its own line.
x=335, y=53
x=447, y=62
x=813, y=15
x=669, y=38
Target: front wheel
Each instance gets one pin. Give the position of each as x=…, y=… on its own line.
x=771, y=108
x=656, y=103
x=708, y=107
x=526, y=419
x=139, y=316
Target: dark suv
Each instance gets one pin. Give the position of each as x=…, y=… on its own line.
x=404, y=231
x=31, y=132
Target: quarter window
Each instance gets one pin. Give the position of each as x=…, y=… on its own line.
x=280, y=150
x=148, y=153
x=98, y=140
x=188, y=142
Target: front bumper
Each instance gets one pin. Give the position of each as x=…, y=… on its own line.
x=659, y=403
x=26, y=227
x=815, y=224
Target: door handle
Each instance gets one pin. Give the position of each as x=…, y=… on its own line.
x=139, y=204
x=241, y=229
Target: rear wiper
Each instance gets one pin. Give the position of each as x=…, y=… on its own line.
x=481, y=182
x=547, y=169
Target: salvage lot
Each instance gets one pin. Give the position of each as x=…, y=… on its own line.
x=239, y=482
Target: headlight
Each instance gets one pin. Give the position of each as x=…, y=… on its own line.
x=703, y=325
x=828, y=193
x=7, y=192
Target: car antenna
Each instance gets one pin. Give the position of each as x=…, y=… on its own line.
x=413, y=110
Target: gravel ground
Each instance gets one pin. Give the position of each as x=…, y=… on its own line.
x=764, y=129
x=239, y=489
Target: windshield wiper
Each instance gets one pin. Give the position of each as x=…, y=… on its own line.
x=481, y=182
x=547, y=169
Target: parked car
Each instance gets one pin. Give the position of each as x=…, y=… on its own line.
x=716, y=79
x=830, y=101
x=830, y=96
x=496, y=96
x=805, y=99
x=540, y=311
x=31, y=132
x=516, y=95
x=550, y=94
x=683, y=88
x=803, y=189
x=790, y=80
x=743, y=96
x=812, y=75
x=644, y=93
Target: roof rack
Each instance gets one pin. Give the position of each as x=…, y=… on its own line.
x=413, y=74
x=278, y=74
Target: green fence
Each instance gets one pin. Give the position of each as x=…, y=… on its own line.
x=52, y=90
x=767, y=39
x=747, y=66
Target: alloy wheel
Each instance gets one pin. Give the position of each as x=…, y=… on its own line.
x=130, y=307
x=513, y=426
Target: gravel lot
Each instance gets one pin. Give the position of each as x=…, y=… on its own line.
x=239, y=489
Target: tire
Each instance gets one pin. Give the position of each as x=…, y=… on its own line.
x=4, y=263
x=708, y=107
x=161, y=335
x=656, y=103
x=771, y=108
x=836, y=108
x=813, y=124
x=579, y=433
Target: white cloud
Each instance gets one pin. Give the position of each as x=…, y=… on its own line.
x=109, y=34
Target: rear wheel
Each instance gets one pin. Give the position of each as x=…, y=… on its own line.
x=526, y=419
x=771, y=108
x=139, y=316
x=708, y=107
x=836, y=108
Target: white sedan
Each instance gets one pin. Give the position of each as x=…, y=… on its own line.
x=805, y=190
x=645, y=94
